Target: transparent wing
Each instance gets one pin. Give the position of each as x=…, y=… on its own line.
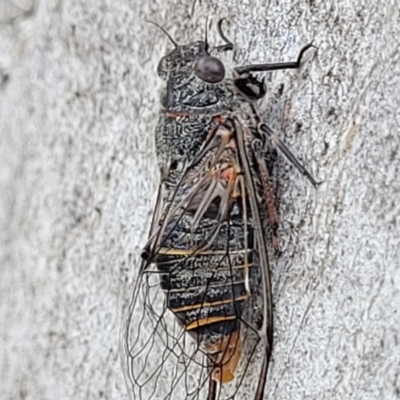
x=202, y=297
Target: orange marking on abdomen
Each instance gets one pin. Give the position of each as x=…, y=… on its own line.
x=229, y=350
x=208, y=321
x=210, y=304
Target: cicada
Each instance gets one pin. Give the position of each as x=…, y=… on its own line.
x=200, y=323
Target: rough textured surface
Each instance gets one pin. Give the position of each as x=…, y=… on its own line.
x=78, y=102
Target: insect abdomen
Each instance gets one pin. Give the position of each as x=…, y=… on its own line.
x=207, y=287
x=202, y=287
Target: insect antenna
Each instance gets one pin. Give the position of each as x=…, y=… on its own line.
x=206, y=36
x=173, y=41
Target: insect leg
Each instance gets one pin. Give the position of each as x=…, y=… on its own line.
x=270, y=199
x=228, y=44
x=222, y=35
x=288, y=154
x=274, y=66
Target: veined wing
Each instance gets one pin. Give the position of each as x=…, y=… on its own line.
x=200, y=321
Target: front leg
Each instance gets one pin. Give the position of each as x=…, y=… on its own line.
x=267, y=131
x=265, y=173
x=275, y=66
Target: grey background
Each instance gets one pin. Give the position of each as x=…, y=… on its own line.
x=78, y=107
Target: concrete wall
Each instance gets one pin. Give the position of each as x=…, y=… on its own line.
x=78, y=107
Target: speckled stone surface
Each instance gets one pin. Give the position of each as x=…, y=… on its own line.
x=78, y=177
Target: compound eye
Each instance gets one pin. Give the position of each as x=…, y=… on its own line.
x=209, y=69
